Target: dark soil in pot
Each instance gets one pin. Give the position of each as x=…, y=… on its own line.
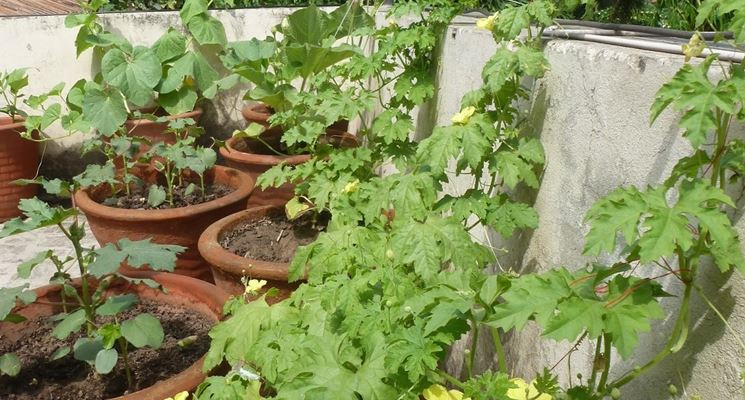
x=182, y=197
x=273, y=238
x=70, y=379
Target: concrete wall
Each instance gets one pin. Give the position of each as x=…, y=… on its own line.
x=47, y=47
x=591, y=112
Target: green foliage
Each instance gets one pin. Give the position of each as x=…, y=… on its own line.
x=83, y=301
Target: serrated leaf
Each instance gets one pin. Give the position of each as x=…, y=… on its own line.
x=25, y=268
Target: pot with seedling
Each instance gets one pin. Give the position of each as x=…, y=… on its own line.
x=170, y=194
x=141, y=89
x=102, y=318
x=295, y=120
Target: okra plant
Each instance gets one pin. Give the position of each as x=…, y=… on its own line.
x=87, y=307
x=11, y=85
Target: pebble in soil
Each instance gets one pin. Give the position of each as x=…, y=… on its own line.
x=70, y=379
x=273, y=238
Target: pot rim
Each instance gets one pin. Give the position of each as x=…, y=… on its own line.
x=196, y=113
x=198, y=290
x=8, y=124
x=230, y=152
x=253, y=112
x=90, y=207
x=220, y=258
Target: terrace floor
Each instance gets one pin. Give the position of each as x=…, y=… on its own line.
x=37, y=7
x=23, y=247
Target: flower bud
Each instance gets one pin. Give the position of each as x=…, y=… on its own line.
x=615, y=394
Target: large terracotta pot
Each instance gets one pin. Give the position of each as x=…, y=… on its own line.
x=19, y=159
x=182, y=291
x=248, y=156
x=180, y=226
x=229, y=268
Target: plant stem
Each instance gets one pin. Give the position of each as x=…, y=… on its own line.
x=593, y=376
x=125, y=357
x=501, y=359
x=449, y=378
x=85, y=290
x=711, y=305
x=474, y=345
x=606, y=359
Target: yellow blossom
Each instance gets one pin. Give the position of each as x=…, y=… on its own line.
x=464, y=115
x=488, y=22
x=438, y=392
x=254, y=285
x=523, y=391
x=391, y=22
x=179, y=396
x=694, y=47
x=351, y=187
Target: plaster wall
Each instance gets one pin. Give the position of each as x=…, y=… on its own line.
x=591, y=112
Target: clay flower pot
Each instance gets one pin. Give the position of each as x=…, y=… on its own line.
x=260, y=114
x=250, y=156
x=228, y=268
x=182, y=292
x=181, y=226
x=154, y=131
x=19, y=159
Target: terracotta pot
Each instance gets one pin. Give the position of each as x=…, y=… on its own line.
x=183, y=291
x=228, y=268
x=154, y=131
x=181, y=226
x=19, y=159
x=243, y=154
x=260, y=114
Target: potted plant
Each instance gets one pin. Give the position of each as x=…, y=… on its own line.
x=290, y=121
x=257, y=243
x=19, y=158
x=102, y=318
x=140, y=89
x=170, y=194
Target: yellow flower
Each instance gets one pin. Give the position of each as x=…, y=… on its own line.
x=391, y=22
x=254, y=285
x=179, y=396
x=437, y=392
x=488, y=22
x=351, y=187
x=464, y=115
x=523, y=391
x=695, y=47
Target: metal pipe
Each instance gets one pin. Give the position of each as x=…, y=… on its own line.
x=644, y=29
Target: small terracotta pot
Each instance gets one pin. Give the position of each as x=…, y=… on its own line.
x=19, y=159
x=229, y=268
x=181, y=226
x=154, y=131
x=182, y=291
x=260, y=114
x=242, y=154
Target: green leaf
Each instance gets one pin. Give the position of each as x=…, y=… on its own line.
x=207, y=29
x=86, y=349
x=117, y=304
x=135, y=74
x=192, y=8
x=620, y=211
x=107, y=261
x=171, y=45
x=25, y=268
x=71, y=323
x=156, y=196
x=143, y=330
x=10, y=364
x=104, y=109
x=60, y=352
x=106, y=360
x=158, y=257
x=573, y=317
x=9, y=297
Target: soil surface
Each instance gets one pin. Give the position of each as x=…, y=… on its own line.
x=70, y=379
x=272, y=238
x=137, y=199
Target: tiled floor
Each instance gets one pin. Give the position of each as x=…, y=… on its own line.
x=37, y=7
